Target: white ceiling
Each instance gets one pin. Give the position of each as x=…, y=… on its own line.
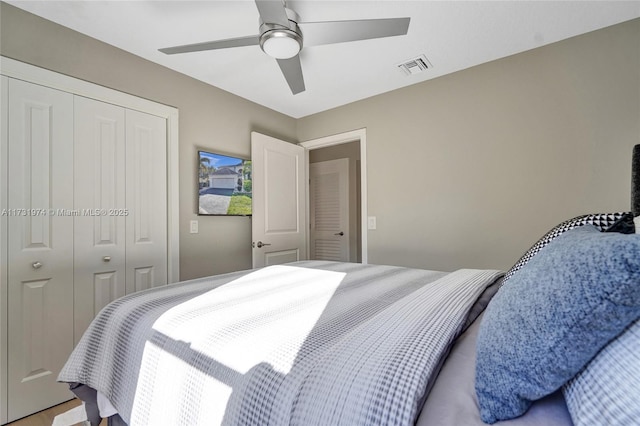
x=453, y=35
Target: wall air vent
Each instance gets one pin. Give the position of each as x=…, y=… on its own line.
x=415, y=65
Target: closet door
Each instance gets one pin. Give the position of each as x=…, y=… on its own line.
x=146, y=222
x=40, y=245
x=99, y=196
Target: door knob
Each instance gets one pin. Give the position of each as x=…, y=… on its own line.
x=339, y=233
x=36, y=265
x=261, y=244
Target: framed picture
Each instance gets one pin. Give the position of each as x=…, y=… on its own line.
x=224, y=185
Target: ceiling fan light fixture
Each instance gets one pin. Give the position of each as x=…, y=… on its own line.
x=281, y=37
x=281, y=44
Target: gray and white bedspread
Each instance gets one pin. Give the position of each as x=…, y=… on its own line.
x=307, y=343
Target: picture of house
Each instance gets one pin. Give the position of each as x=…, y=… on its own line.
x=224, y=185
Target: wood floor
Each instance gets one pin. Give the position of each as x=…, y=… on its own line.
x=45, y=418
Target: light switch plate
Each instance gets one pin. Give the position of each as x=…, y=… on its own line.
x=194, y=227
x=371, y=222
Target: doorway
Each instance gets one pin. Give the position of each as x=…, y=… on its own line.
x=352, y=146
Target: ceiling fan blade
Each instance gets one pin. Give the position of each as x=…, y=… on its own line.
x=213, y=45
x=272, y=12
x=292, y=71
x=329, y=32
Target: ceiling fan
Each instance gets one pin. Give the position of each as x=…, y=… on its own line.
x=282, y=36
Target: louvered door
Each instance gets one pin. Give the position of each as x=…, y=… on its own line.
x=329, y=205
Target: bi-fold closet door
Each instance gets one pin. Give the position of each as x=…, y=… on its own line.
x=39, y=246
x=86, y=223
x=120, y=200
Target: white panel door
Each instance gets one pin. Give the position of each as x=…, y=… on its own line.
x=329, y=205
x=99, y=197
x=279, y=219
x=40, y=246
x=146, y=201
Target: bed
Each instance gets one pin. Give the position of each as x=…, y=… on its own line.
x=554, y=340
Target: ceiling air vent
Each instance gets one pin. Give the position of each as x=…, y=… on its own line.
x=415, y=65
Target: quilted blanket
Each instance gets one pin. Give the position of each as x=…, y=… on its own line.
x=307, y=343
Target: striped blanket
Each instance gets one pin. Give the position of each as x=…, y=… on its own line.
x=307, y=343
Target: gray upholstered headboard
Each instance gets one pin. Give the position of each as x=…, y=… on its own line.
x=635, y=181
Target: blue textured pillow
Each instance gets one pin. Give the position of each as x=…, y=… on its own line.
x=557, y=312
x=606, y=222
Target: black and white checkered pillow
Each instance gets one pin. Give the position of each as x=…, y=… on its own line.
x=606, y=391
x=606, y=222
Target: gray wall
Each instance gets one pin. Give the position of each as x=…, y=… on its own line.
x=210, y=119
x=499, y=153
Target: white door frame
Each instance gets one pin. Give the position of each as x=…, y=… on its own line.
x=360, y=136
